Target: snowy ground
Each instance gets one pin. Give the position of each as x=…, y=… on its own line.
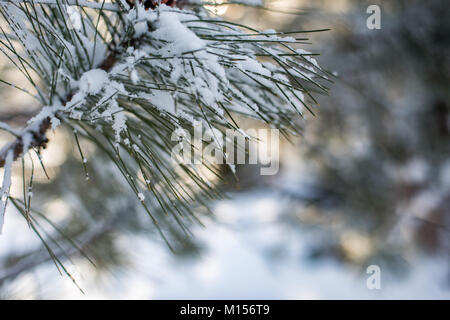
x=249, y=255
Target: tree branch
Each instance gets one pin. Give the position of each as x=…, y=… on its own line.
x=39, y=139
x=38, y=131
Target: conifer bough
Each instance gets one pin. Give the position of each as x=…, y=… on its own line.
x=125, y=75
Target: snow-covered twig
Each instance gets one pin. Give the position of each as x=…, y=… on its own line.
x=30, y=137
x=148, y=74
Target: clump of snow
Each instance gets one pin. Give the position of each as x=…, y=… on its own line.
x=93, y=81
x=55, y=122
x=74, y=17
x=162, y=100
x=180, y=38
x=134, y=76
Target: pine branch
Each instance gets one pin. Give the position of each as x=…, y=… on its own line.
x=142, y=76
x=36, y=136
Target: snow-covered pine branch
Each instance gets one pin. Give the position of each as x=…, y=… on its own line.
x=126, y=77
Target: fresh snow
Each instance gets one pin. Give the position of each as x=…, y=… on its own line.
x=74, y=17
x=92, y=81
x=180, y=67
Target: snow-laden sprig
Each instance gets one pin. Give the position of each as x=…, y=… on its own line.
x=126, y=78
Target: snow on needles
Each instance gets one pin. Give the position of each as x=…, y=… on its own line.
x=185, y=65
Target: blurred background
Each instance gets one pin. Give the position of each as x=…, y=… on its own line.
x=368, y=183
